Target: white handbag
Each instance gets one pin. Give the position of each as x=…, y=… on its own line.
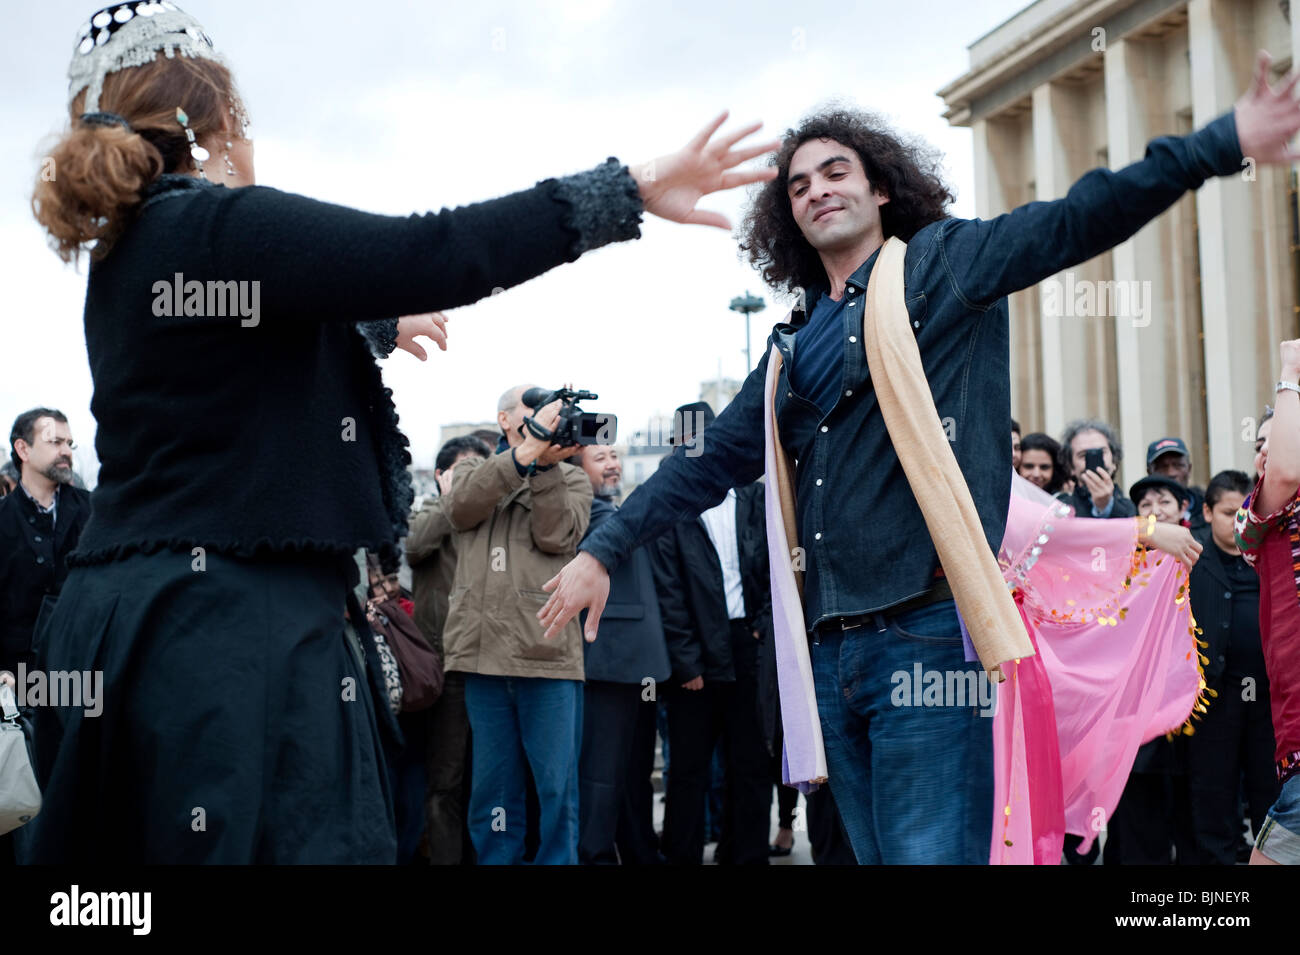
x=20, y=797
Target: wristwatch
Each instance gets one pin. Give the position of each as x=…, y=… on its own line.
x=1288, y=386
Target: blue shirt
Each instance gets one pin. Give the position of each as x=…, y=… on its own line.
x=819, y=371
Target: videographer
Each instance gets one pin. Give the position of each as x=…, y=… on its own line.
x=520, y=515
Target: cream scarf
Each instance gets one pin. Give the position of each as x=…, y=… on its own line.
x=923, y=449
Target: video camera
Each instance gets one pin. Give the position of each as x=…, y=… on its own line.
x=574, y=426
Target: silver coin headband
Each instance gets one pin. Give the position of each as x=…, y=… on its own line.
x=131, y=34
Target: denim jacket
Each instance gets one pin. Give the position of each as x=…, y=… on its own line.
x=862, y=533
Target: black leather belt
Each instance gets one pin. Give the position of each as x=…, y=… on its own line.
x=939, y=592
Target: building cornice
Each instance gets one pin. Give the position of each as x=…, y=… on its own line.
x=1026, y=42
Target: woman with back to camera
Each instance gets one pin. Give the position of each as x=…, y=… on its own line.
x=221, y=324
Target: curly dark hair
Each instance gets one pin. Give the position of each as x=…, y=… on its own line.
x=906, y=169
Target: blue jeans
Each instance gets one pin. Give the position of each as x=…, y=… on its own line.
x=513, y=719
x=913, y=782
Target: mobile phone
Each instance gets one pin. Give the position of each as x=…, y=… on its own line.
x=1094, y=459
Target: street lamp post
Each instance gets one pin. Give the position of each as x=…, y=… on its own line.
x=747, y=305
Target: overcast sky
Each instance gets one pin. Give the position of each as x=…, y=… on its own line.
x=402, y=107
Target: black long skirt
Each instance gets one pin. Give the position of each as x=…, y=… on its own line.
x=236, y=727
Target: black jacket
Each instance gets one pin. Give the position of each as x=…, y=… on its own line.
x=1212, y=597
x=1196, y=515
x=294, y=389
x=1081, y=501
x=631, y=643
x=33, y=564
x=691, y=596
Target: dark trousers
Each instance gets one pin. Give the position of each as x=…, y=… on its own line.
x=409, y=779
x=448, y=791
x=830, y=846
x=696, y=720
x=608, y=731
x=1154, y=814
x=787, y=798
x=1232, y=744
x=1070, y=850
x=637, y=842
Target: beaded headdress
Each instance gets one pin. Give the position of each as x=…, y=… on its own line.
x=132, y=34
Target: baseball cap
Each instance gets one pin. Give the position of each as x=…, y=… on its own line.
x=1164, y=446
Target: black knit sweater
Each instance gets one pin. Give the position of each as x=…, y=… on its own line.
x=279, y=437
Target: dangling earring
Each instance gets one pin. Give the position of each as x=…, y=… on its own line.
x=197, y=152
x=230, y=167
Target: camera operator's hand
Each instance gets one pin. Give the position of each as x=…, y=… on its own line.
x=533, y=448
x=555, y=453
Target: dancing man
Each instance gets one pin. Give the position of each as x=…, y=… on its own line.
x=913, y=784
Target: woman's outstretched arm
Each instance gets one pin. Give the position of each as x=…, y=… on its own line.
x=317, y=261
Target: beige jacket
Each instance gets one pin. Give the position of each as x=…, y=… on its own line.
x=515, y=533
x=431, y=554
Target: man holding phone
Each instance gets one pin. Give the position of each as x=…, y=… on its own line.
x=1091, y=455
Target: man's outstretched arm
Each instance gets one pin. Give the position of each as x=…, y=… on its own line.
x=728, y=454
x=992, y=258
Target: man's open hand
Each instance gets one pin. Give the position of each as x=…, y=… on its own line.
x=583, y=584
x=1268, y=117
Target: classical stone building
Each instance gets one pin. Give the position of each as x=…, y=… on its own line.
x=1180, y=324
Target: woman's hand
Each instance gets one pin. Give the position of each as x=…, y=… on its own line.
x=671, y=185
x=1176, y=541
x=431, y=325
